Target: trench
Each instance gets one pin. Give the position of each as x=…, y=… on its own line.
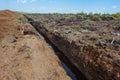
x=71, y=70
x=68, y=66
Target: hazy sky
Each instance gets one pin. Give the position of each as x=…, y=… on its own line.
x=62, y=6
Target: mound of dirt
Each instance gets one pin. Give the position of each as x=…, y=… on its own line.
x=7, y=13
x=8, y=23
x=25, y=57
x=29, y=59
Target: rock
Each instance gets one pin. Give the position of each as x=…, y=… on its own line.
x=67, y=31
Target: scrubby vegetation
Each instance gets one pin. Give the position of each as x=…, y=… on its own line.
x=97, y=15
x=94, y=28
x=22, y=21
x=95, y=36
x=116, y=15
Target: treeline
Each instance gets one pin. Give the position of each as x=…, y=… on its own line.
x=115, y=15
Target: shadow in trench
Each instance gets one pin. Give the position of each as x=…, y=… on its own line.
x=71, y=70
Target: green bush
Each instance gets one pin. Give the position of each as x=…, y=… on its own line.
x=116, y=15
x=22, y=20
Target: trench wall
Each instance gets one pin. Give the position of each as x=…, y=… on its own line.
x=90, y=60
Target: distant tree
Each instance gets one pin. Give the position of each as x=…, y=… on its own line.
x=91, y=14
x=97, y=14
x=116, y=15
x=106, y=14
x=82, y=13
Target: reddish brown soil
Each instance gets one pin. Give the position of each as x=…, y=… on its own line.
x=8, y=23
x=25, y=57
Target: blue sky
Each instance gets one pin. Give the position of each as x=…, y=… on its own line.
x=62, y=6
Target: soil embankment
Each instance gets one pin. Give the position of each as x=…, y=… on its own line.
x=95, y=62
x=25, y=56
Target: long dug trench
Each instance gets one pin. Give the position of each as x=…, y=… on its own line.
x=79, y=56
x=71, y=70
x=68, y=66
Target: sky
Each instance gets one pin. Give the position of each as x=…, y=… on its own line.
x=62, y=6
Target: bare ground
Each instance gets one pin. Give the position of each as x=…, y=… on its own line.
x=25, y=57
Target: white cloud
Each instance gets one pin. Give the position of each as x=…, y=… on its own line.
x=33, y=8
x=21, y=1
x=33, y=0
x=114, y=7
x=42, y=8
x=104, y=8
x=25, y=1
x=52, y=1
x=61, y=9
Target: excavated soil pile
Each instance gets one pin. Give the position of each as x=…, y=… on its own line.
x=25, y=57
x=8, y=23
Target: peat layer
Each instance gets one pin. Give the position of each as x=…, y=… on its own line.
x=93, y=46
